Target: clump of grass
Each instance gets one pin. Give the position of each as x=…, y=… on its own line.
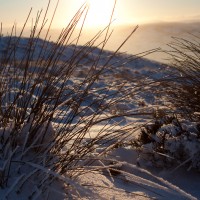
x=184, y=92
x=47, y=116
x=172, y=140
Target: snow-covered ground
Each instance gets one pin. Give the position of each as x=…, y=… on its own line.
x=129, y=176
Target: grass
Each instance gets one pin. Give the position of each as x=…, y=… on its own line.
x=172, y=140
x=185, y=91
x=45, y=119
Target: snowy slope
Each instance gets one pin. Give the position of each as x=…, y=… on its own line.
x=127, y=179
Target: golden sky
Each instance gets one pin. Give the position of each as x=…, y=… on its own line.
x=126, y=12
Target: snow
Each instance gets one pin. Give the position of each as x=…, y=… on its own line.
x=125, y=172
x=133, y=182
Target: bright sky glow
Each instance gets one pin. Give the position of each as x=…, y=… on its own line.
x=99, y=12
x=126, y=12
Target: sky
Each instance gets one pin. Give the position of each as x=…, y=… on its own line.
x=126, y=11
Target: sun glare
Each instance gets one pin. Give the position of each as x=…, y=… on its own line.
x=99, y=12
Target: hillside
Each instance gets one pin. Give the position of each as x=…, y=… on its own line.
x=71, y=118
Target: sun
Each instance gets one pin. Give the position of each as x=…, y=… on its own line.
x=99, y=12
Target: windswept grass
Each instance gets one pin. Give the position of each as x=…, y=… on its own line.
x=185, y=92
x=47, y=118
x=172, y=141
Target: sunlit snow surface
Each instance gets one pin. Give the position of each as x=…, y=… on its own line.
x=130, y=181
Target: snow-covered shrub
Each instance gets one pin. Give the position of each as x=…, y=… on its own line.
x=49, y=115
x=170, y=143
